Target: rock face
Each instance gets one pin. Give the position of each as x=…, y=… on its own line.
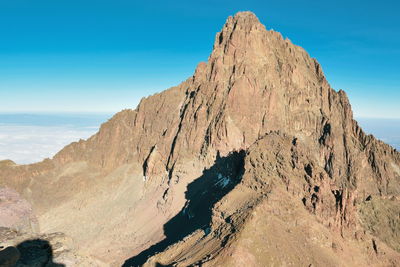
x=266, y=219
x=302, y=195
x=15, y=212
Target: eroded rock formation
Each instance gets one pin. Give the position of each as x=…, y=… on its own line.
x=308, y=171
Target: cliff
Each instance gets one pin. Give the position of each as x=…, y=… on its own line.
x=305, y=162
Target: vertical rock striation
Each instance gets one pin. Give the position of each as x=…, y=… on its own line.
x=255, y=85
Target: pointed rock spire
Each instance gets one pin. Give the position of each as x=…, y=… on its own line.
x=241, y=31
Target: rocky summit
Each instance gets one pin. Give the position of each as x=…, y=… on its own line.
x=253, y=161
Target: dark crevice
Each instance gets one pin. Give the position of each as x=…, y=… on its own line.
x=314, y=201
x=304, y=200
x=374, y=246
x=170, y=173
x=325, y=133
x=308, y=170
x=182, y=115
x=329, y=165
x=201, y=196
x=338, y=199
x=294, y=141
x=146, y=161
x=220, y=38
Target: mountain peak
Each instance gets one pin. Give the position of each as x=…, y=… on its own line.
x=241, y=28
x=256, y=133
x=244, y=18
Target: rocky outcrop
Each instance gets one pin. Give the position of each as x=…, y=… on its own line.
x=257, y=92
x=266, y=220
x=16, y=213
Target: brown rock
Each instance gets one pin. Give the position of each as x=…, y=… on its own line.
x=16, y=213
x=308, y=162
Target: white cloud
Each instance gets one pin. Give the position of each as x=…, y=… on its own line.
x=27, y=144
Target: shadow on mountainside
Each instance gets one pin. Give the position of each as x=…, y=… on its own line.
x=36, y=252
x=201, y=196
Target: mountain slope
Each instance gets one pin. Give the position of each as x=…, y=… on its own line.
x=282, y=213
x=129, y=180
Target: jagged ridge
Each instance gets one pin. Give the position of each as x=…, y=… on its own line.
x=141, y=160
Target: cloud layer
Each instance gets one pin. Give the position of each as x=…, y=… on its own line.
x=31, y=138
x=28, y=144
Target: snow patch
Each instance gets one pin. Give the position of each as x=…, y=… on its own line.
x=186, y=211
x=222, y=181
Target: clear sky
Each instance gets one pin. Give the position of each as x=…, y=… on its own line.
x=103, y=56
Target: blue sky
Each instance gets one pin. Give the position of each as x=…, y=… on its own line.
x=103, y=56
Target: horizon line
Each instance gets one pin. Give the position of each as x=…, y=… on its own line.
x=79, y=112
